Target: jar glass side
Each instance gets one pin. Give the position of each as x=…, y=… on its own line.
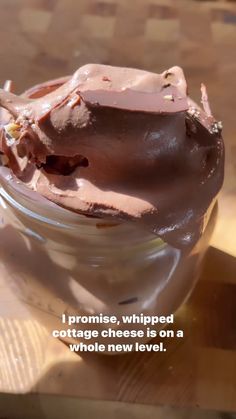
x=66, y=264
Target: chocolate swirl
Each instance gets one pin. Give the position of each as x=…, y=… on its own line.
x=121, y=143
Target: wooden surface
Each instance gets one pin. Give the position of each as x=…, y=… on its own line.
x=200, y=371
x=52, y=407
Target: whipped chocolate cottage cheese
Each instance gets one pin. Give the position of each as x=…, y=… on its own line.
x=121, y=143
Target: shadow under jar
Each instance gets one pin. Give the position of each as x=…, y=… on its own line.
x=60, y=262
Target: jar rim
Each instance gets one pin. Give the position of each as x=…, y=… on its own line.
x=31, y=204
x=12, y=188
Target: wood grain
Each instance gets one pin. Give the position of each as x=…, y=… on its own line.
x=199, y=370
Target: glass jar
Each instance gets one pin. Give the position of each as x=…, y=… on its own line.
x=60, y=262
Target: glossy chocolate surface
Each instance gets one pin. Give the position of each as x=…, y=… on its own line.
x=120, y=143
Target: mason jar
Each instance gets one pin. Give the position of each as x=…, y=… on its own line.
x=59, y=262
x=62, y=263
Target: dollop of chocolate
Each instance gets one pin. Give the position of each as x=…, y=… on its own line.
x=121, y=143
